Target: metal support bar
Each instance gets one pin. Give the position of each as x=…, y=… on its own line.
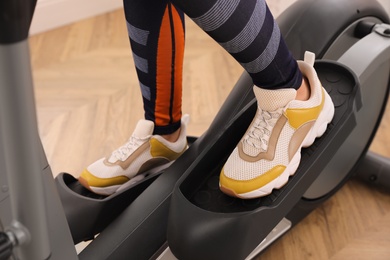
x=21, y=149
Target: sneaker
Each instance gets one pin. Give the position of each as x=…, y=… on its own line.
x=142, y=155
x=270, y=150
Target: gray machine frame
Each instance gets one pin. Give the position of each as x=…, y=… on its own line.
x=35, y=224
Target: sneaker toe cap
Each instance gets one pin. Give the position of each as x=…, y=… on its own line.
x=87, y=179
x=234, y=187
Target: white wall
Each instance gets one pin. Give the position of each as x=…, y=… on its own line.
x=50, y=14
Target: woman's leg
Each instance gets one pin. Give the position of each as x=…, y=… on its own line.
x=247, y=30
x=156, y=33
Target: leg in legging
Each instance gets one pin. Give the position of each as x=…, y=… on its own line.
x=247, y=30
x=286, y=119
x=156, y=33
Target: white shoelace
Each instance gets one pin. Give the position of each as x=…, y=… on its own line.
x=259, y=134
x=123, y=152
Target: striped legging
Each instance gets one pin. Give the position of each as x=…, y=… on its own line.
x=244, y=28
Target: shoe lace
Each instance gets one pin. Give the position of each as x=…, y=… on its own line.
x=129, y=147
x=258, y=135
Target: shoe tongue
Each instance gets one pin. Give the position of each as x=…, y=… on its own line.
x=271, y=100
x=143, y=128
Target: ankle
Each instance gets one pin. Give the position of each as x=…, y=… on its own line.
x=303, y=92
x=172, y=137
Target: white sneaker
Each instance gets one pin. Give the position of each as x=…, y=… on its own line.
x=142, y=155
x=270, y=150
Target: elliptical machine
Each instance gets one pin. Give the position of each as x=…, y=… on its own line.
x=182, y=204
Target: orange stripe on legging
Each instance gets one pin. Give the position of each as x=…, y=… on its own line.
x=169, y=69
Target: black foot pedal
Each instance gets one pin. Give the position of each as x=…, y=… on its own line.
x=88, y=213
x=204, y=223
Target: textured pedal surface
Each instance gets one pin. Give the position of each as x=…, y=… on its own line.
x=340, y=86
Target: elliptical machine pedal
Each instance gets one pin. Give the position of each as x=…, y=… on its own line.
x=198, y=206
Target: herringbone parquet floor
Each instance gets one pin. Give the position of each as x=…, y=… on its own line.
x=88, y=102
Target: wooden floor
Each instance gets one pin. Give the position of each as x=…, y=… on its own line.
x=88, y=102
